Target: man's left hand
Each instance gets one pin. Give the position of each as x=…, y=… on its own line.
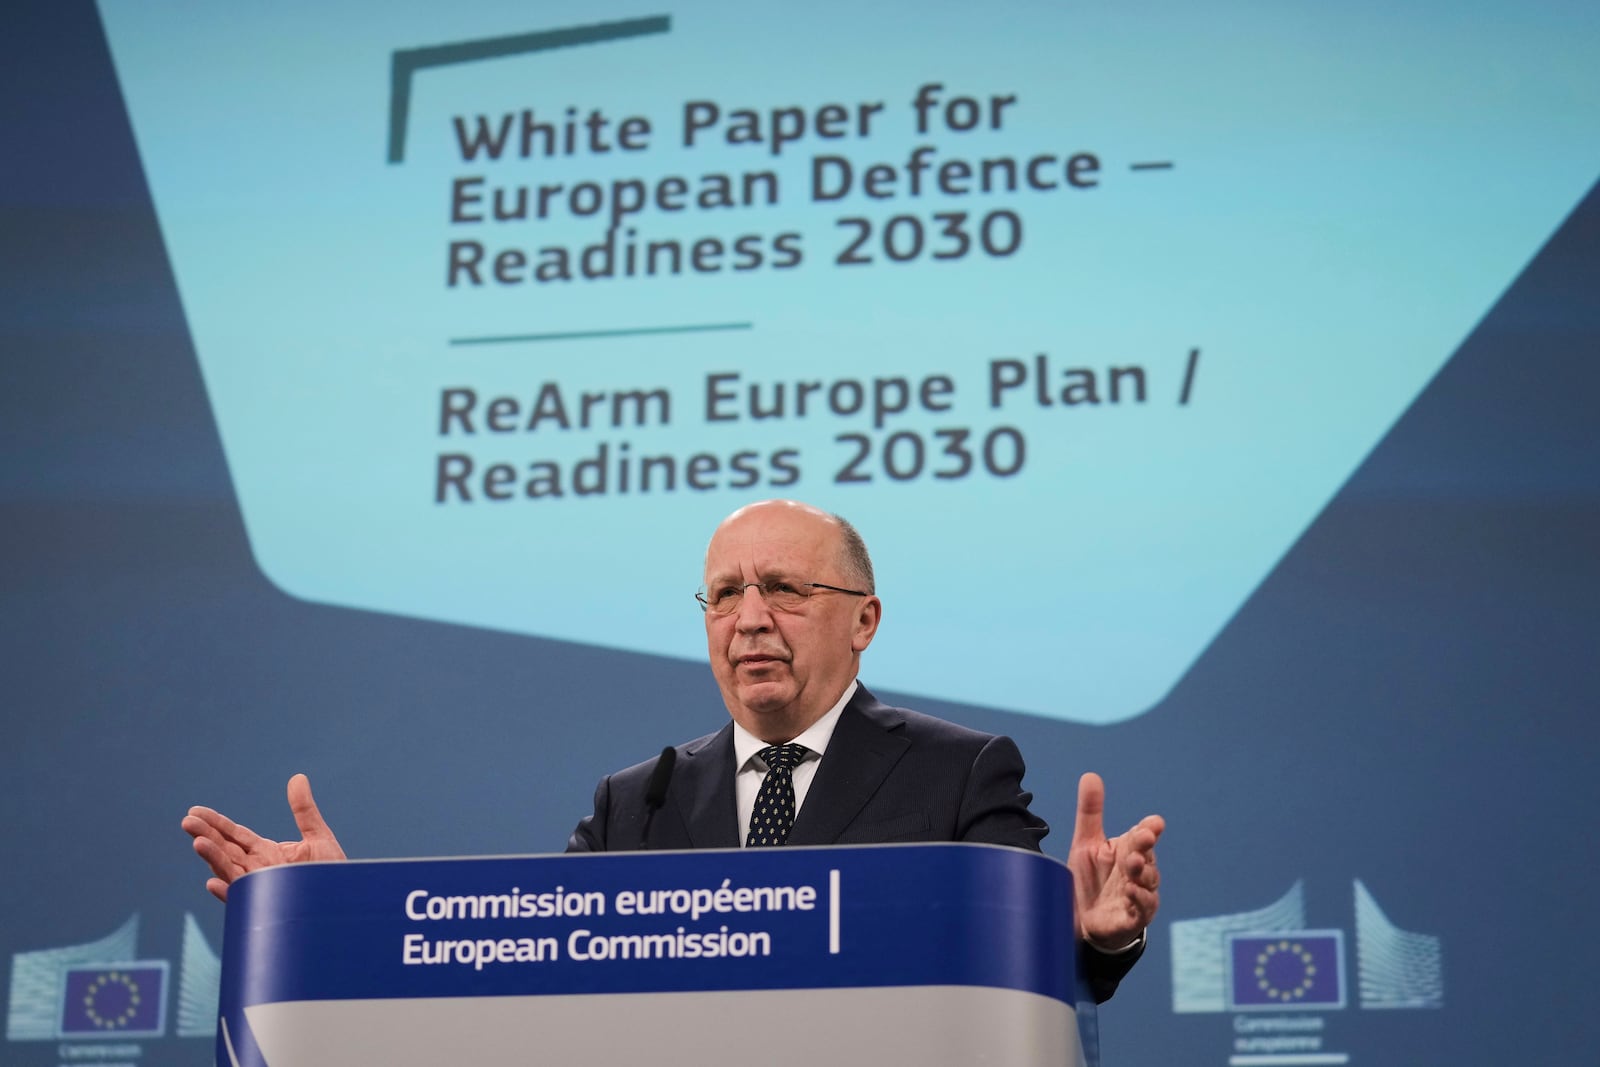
x=1116, y=883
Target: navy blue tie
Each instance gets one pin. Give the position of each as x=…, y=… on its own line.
x=774, y=810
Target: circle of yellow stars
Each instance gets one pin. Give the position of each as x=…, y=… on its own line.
x=115, y=1020
x=1308, y=971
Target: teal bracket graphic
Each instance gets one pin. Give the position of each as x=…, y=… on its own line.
x=407, y=61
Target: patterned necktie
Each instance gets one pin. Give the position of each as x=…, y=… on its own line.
x=774, y=810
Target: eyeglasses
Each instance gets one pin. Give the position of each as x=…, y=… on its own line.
x=779, y=593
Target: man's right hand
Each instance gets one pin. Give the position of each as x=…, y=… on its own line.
x=231, y=850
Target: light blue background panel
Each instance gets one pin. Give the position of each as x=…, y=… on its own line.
x=1148, y=381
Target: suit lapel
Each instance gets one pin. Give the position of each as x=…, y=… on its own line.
x=865, y=746
x=703, y=789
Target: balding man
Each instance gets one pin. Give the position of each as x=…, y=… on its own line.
x=810, y=757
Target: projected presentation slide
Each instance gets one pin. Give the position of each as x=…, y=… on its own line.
x=1041, y=290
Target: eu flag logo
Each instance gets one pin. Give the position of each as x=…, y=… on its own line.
x=114, y=1000
x=1296, y=969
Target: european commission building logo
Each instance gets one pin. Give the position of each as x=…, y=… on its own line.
x=1279, y=977
x=102, y=989
x=1215, y=961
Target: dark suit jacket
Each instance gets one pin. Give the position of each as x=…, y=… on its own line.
x=889, y=774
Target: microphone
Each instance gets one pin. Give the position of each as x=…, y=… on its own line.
x=655, y=793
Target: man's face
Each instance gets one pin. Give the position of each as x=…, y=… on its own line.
x=780, y=671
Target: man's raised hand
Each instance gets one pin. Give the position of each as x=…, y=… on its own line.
x=232, y=850
x=1115, y=881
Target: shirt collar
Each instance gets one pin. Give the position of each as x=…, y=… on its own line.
x=815, y=737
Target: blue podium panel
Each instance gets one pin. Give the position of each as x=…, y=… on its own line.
x=935, y=954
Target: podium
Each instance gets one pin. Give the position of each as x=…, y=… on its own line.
x=811, y=957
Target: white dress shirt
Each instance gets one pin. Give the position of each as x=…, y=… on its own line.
x=747, y=782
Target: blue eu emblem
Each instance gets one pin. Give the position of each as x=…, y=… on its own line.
x=1295, y=969
x=114, y=1000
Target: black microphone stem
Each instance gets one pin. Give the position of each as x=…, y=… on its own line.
x=655, y=794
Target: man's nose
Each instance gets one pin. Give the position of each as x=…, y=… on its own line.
x=754, y=612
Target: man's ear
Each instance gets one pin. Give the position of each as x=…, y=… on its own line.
x=868, y=615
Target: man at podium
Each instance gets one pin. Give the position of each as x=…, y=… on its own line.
x=809, y=756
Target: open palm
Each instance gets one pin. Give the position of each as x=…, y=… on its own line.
x=232, y=850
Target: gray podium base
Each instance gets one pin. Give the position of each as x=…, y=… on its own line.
x=925, y=1025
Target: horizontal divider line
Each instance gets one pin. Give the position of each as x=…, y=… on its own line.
x=581, y=335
